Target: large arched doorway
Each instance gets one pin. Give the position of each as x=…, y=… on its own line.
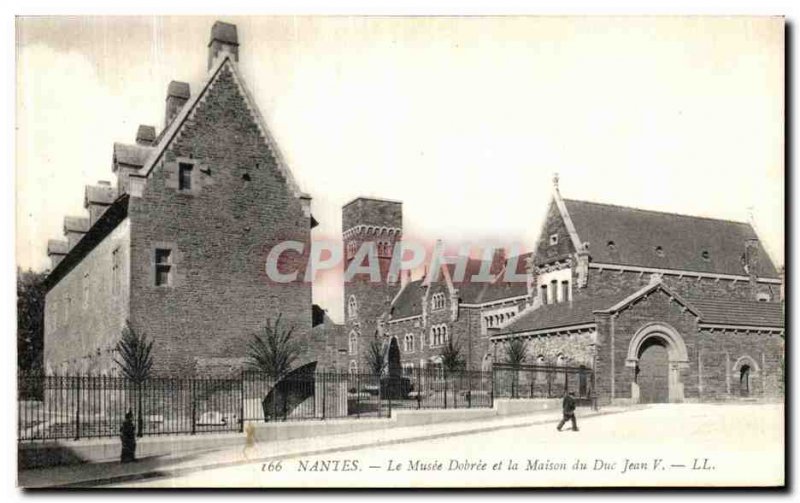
x=652, y=371
x=656, y=355
x=744, y=380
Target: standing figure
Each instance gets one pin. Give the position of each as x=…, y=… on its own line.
x=568, y=406
x=127, y=434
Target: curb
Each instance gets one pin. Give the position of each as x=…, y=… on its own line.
x=177, y=472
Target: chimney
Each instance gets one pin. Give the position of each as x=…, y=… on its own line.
x=750, y=259
x=177, y=96
x=56, y=251
x=98, y=198
x=146, y=135
x=74, y=229
x=224, y=39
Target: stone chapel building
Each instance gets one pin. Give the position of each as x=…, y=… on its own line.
x=664, y=307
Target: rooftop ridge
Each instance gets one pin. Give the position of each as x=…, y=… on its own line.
x=657, y=212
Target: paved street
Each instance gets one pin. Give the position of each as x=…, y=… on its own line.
x=659, y=445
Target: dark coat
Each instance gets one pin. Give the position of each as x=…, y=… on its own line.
x=568, y=405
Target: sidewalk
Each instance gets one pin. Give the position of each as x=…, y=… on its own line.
x=98, y=474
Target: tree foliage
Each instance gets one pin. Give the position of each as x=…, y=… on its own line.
x=273, y=351
x=516, y=351
x=452, y=359
x=135, y=353
x=30, y=320
x=376, y=363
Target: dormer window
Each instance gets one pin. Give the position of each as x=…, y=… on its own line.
x=553, y=239
x=612, y=246
x=706, y=256
x=185, y=176
x=659, y=251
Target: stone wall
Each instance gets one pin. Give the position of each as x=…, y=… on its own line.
x=83, y=339
x=219, y=233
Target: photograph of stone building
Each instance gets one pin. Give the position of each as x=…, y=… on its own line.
x=243, y=269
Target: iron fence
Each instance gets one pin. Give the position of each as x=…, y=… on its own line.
x=543, y=381
x=85, y=406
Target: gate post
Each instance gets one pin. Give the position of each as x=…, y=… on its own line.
x=241, y=401
x=491, y=393
x=78, y=408
x=324, y=385
x=194, y=406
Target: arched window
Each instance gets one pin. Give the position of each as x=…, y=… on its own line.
x=408, y=343
x=352, y=307
x=438, y=335
x=561, y=360
x=543, y=293
x=564, y=291
x=437, y=301
x=553, y=292
x=352, y=346
x=353, y=367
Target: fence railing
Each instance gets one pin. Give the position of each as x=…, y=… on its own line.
x=543, y=381
x=74, y=407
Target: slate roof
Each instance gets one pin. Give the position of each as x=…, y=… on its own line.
x=409, y=301
x=712, y=311
x=565, y=314
x=132, y=155
x=636, y=233
x=107, y=222
x=738, y=312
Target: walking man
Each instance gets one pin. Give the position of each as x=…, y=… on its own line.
x=568, y=406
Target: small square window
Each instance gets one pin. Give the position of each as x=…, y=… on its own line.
x=553, y=239
x=163, y=267
x=185, y=176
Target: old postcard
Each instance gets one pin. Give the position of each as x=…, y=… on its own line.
x=406, y=252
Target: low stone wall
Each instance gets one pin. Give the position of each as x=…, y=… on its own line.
x=41, y=454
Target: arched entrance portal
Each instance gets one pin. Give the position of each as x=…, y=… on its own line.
x=656, y=355
x=744, y=380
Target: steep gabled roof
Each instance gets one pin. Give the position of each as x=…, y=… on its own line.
x=647, y=290
x=630, y=236
x=408, y=301
x=167, y=135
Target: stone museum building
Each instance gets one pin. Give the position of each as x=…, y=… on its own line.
x=662, y=307
x=178, y=245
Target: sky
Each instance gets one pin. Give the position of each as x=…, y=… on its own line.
x=465, y=120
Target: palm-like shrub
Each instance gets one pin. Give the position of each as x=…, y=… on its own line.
x=452, y=361
x=516, y=353
x=376, y=363
x=273, y=351
x=135, y=361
